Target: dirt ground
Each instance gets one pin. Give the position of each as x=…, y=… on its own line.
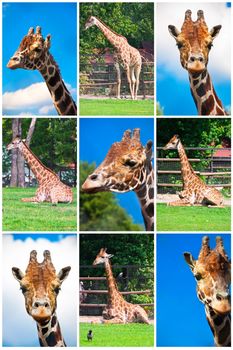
x=165, y=198
x=96, y=319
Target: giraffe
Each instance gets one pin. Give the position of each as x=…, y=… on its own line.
x=195, y=191
x=33, y=53
x=125, y=55
x=118, y=310
x=194, y=43
x=127, y=167
x=40, y=286
x=212, y=272
x=50, y=189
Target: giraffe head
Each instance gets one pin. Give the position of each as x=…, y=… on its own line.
x=32, y=51
x=102, y=257
x=40, y=286
x=212, y=271
x=124, y=168
x=16, y=143
x=194, y=42
x=173, y=143
x=90, y=22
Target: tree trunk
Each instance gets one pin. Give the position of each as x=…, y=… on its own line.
x=17, y=159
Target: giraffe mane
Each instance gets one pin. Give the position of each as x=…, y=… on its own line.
x=111, y=29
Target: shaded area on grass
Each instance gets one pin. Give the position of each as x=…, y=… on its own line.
x=21, y=216
x=102, y=107
x=133, y=334
x=193, y=218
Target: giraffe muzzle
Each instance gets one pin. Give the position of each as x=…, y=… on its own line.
x=14, y=63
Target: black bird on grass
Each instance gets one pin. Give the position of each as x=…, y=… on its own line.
x=90, y=335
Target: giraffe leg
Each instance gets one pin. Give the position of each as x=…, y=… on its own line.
x=129, y=81
x=179, y=203
x=33, y=199
x=137, y=75
x=118, y=72
x=133, y=81
x=114, y=320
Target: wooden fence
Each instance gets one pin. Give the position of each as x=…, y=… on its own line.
x=91, y=302
x=100, y=79
x=215, y=170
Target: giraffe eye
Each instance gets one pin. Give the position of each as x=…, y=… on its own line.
x=198, y=276
x=37, y=49
x=57, y=290
x=23, y=289
x=130, y=162
x=179, y=45
x=209, y=45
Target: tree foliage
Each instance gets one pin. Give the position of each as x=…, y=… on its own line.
x=100, y=211
x=135, y=21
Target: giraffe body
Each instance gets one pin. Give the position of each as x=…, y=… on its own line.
x=194, y=43
x=195, y=191
x=50, y=189
x=125, y=55
x=118, y=310
x=212, y=272
x=40, y=286
x=33, y=54
x=127, y=167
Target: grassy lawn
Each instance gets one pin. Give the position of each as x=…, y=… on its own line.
x=20, y=216
x=121, y=335
x=116, y=107
x=193, y=218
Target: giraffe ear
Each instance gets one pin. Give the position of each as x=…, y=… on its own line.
x=110, y=256
x=189, y=260
x=63, y=273
x=215, y=31
x=17, y=273
x=173, y=31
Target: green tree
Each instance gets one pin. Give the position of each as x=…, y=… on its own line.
x=100, y=211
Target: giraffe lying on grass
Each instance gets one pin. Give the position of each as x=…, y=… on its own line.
x=50, y=189
x=195, y=191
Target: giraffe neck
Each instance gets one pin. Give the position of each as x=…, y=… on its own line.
x=145, y=194
x=113, y=292
x=186, y=169
x=62, y=99
x=40, y=171
x=115, y=39
x=49, y=333
x=220, y=326
x=204, y=95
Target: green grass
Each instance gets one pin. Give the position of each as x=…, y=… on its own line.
x=193, y=218
x=121, y=335
x=20, y=216
x=116, y=107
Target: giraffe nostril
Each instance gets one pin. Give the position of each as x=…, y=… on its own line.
x=46, y=305
x=36, y=304
x=201, y=59
x=93, y=176
x=192, y=59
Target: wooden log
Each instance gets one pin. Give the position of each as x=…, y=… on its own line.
x=106, y=292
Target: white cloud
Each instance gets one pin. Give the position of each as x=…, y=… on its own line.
x=46, y=109
x=19, y=329
x=167, y=52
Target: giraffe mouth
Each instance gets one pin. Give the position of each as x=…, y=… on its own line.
x=14, y=63
x=90, y=186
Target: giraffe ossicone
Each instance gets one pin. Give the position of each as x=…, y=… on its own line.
x=195, y=191
x=125, y=55
x=194, y=42
x=33, y=54
x=212, y=271
x=127, y=167
x=118, y=310
x=40, y=286
x=50, y=189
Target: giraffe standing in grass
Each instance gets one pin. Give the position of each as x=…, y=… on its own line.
x=33, y=53
x=118, y=310
x=50, y=189
x=127, y=167
x=212, y=271
x=40, y=286
x=195, y=191
x=125, y=55
x=194, y=43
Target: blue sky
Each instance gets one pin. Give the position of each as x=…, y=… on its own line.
x=96, y=137
x=19, y=329
x=181, y=317
x=173, y=92
x=57, y=19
